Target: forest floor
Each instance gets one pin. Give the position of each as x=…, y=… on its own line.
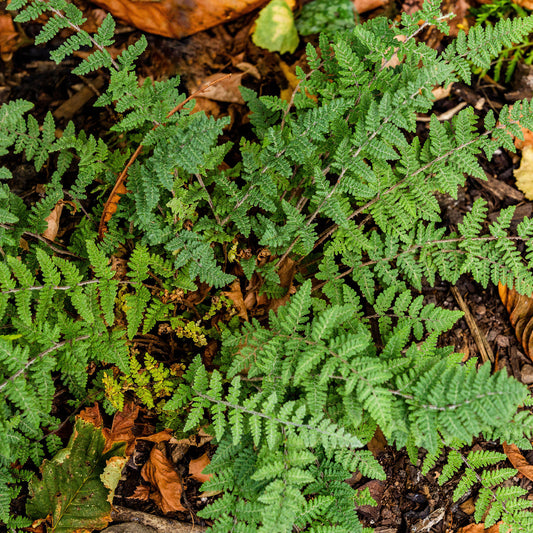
x=408, y=501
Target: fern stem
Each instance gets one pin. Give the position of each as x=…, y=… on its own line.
x=79, y=30
x=53, y=348
x=267, y=417
x=209, y=200
x=42, y=239
x=429, y=243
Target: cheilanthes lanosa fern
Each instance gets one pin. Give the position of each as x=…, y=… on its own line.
x=336, y=180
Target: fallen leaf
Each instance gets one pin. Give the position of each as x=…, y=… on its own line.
x=235, y=295
x=52, y=220
x=196, y=467
x=162, y=436
x=520, y=309
x=92, y=415
x=518, y=460
x=524, y=174
x=394, y=61
x=111, y=475
x=528, y=4
x=480, y=528
x=9, y=38
x=122, y=427
x=275, y=29
x=377, y=443
x=362, y=6
x=70, y=493
x=468, y=507
x=178, y=18
x=165, y=482
x=142, y=492
x=286, y=273
x=226, y=90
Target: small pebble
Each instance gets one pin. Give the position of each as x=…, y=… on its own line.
x=527, y=374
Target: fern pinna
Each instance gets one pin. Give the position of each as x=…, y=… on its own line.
x=334, y=183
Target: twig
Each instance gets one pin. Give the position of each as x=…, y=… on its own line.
x=159, y=523
x=209, y=201
x=46, y=241
x=481, y=341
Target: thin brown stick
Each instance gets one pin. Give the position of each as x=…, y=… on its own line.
x=159, y=523
x=481, y=341
x=46, y=241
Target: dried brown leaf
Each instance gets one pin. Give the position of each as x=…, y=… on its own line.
x=520, y=310
x=518, y=460
x=227, y=90
x=52, y=220
x=196, y=467
x=480, y=528
x=162, y=436
x=9, y=38
x=142, y=492
x=362, y=6
x=235, y=295
x=92, y=415
x=122, y=428
x=165, y=481
x=178, y=18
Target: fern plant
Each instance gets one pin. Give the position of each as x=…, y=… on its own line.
x=335, y=188
x=510, y=57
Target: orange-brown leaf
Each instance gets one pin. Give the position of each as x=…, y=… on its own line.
x=518, y=460
x=235, y=295
x=162, y=436
x=111, y=205
x=520, y=310
x=122, y=428
x=480, y=528
x=165, y=482
x=9, y=38
x=52, y=220
x=178, y=18
x=196, y=468
x=92, y=415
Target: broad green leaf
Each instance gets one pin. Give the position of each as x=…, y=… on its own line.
x=71, y=491
x=275, y=29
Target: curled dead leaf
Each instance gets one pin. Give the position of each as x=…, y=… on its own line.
x=520, y=310
x=164, y=480
x=122, y=428
x=518, y=460
x=162, y=436
x=235, y=295
x=92, y=415
x=52, y=220
x=196, y=468
x=9, y=38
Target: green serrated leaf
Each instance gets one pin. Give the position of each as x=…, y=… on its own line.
x=70, y=490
